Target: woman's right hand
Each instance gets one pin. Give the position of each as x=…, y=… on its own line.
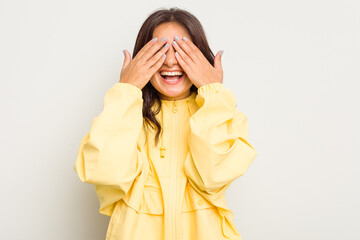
x=145, y=64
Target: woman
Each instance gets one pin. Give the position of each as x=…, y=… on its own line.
x=172, y=92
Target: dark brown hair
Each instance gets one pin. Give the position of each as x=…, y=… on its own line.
x=195, y=30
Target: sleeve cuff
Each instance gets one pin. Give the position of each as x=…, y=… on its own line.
x=129, y=88
x=210, y=88
x=217, y=96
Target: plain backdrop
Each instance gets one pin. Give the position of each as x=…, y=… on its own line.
x=292, y=65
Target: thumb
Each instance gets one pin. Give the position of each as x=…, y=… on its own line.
x=127, y=58
x=217, y=60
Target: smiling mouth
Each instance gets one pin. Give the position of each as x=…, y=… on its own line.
x=171, y=79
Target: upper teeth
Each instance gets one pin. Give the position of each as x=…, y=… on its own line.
x=171, y=73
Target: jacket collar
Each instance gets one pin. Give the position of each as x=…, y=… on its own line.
x=175, y=105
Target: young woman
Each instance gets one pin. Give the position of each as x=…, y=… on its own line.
x=169, y=140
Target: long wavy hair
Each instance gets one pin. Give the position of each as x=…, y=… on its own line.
x=194, y=28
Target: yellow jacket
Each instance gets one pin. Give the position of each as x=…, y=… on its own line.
x=175, y=191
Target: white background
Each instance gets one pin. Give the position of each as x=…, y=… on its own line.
x=293, y=66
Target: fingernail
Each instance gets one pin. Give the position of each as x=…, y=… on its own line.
x=221, y=53
x=163, y=56
x=185, y=39
x=163, y=39
x=166, y=45
x=177, y=38
x=175, y=43
x=155, y=39
x=177, y=54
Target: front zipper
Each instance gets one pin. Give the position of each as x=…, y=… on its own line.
x=175, y=164
x=176, y=178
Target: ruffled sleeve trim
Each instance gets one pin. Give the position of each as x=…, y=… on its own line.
x=129, y=88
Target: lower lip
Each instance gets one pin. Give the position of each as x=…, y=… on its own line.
x=172, y=82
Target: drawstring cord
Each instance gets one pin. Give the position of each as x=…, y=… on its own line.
x=147, y=139
x=162, y=149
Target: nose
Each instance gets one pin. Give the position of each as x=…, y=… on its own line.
x=170, y=59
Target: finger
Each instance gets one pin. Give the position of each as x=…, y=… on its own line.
x=194, y=48
x=184, y=56
x=157, y=65
x=195, y=52
x=183, y=64
x=153, y=49
x=217, y=61
x=189, y=43
x=147, y=46
x=127, y=59
x=185, y=48
x=157, y=56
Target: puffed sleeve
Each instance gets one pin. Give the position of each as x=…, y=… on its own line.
x=109, y=155
x=219, y=150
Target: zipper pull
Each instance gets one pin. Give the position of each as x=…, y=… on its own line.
x=162, y=152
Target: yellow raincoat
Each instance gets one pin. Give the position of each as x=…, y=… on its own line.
x=176, y=189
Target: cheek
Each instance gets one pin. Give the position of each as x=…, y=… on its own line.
x=155, y=80
x=154, y=77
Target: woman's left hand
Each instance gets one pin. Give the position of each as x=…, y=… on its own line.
x=196, y=66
